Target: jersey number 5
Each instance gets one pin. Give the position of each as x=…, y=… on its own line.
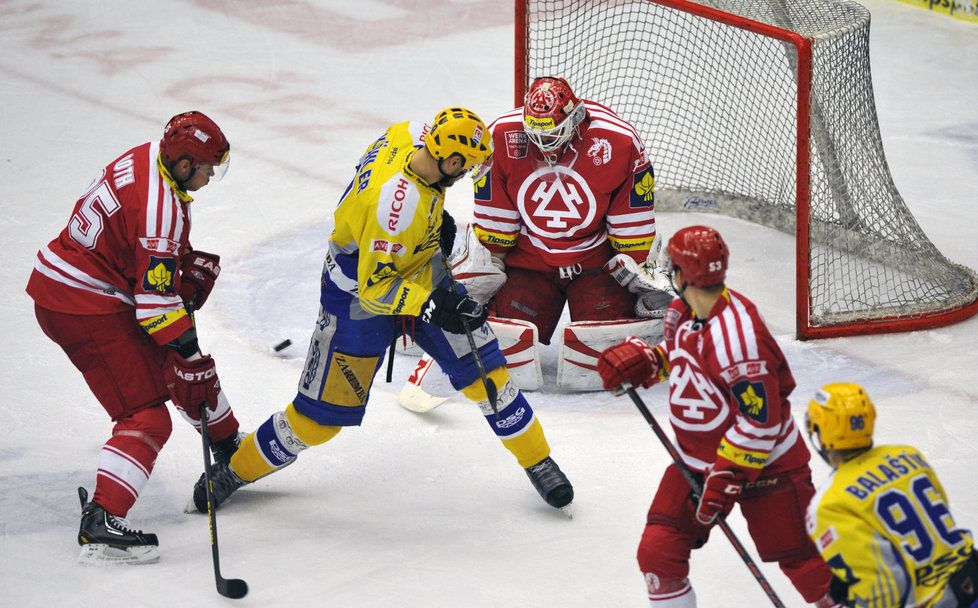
x=87, y=223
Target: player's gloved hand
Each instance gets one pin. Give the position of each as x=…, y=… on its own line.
x=446, y=309
x=198, y=272
x=447, y=236
x=721, y=490
x=191, y=383
x=631, y=362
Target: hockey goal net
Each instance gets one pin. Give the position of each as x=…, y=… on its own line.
x=762, y=110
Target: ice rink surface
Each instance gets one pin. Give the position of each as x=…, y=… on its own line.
x=407, y=510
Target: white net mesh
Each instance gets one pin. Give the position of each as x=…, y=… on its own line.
x=717, y=107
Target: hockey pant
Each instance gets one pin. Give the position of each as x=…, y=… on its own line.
x=538, y=297
x=345, y=354
x=124, y=370
x=774, y=507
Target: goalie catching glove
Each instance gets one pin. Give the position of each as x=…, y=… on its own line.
x=648, y=280
x=447, y=309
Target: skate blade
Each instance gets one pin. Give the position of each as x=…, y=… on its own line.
x=191, y=508
x=567, y=511
x=99, y=554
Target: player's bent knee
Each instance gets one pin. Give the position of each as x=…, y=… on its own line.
x=669, y=592
x=307, y=430
x=476, y=391
x=151, y=425
x=665, y=551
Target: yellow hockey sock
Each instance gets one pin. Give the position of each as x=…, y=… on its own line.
x=249, y=463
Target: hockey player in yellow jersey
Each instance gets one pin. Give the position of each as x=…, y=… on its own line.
x=384, y=274
x=881, y=520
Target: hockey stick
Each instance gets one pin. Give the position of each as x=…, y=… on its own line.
x=490, y=386
x=697, y=490
x=233, y=588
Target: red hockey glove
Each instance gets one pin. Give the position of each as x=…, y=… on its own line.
x=191, y=383
x=720, y=491
x=633, y=362
x=198, y=272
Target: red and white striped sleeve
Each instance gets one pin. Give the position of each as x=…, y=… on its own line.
x=761, y=432
x=163, y=227
x=631, y=215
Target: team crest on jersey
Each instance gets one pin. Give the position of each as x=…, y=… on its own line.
x=517, y=144
x=159, y=275
x=600, y=151
x=752, y=399
x=384, y=270
x=483, y=187
x=642, y=195
x=556, y=202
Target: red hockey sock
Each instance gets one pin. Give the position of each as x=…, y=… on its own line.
x=127, y=459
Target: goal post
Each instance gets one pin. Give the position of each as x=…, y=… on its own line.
x=762, y=110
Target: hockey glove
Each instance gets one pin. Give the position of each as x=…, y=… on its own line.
x=647, y=280
x=198, y=272
x=631, y=362
x=191, y=383
x=721, y=490
x=447, y=236
x=447, y=309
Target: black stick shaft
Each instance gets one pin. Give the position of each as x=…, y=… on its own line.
x=390, y=361
x=232, y=588
x=490, y=386
x=698, y=490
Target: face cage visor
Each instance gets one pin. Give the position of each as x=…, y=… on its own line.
x=550, y=140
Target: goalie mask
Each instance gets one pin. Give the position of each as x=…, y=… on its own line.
x=194, y=136
x=551, y=113
x=840, y=417
x=460, y=131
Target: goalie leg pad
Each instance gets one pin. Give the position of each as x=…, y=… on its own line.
x=426, y=388
x=585, y=340
x=454, y=355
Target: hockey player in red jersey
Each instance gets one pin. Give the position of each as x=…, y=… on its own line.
x=568, y=214
x=728, y=403
x=116, y=290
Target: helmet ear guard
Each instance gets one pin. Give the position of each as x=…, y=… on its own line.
x=840, y=416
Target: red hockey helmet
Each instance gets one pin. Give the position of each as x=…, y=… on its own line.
x=700, y=253
x=551, y=113
x=194, y=136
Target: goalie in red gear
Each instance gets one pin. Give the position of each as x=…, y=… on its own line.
x=115, y=291
x=728, y=403
x=571, y=187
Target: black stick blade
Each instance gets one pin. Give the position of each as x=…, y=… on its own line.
x=234, y=588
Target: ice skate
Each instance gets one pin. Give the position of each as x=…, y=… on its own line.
x=223, y=483
x=552, y=484
x=107, y=539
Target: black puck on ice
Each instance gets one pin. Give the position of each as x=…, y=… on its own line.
x=283, y=345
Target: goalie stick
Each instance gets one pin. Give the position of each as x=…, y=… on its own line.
x=233, y=588
x=697, y=491
x=491, y=392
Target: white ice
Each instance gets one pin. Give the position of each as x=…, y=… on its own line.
x=407, y=510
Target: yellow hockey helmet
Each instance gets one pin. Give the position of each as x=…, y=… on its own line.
x=461, y=131
x=841, y=416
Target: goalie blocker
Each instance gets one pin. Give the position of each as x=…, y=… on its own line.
x=428, y=386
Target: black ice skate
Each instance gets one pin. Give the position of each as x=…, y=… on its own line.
x=107, y=539
x=223, y=484
x=551, y=483
x=224, y=449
